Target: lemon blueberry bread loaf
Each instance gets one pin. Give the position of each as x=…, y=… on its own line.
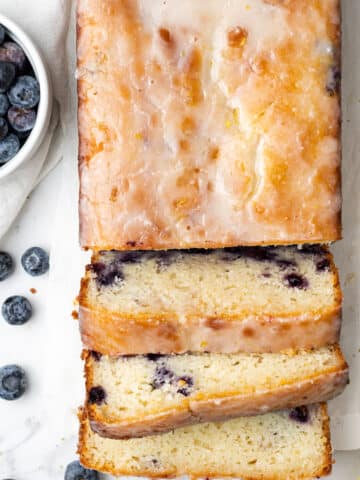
x=287, y=445
x=142, y=395
x=251, y=299
x=208, y=123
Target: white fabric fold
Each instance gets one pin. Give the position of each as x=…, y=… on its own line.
x=15, y=187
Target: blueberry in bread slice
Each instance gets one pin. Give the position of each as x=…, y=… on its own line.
x=142, y=395
x=250, y=299
x=286, y=445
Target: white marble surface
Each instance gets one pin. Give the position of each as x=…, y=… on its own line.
x=33, y=427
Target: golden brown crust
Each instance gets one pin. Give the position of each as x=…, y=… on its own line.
x=113, y=334
x=327, y=435
x=228, y=405
x=307, y=392
x=163, y=187
x=108, y=467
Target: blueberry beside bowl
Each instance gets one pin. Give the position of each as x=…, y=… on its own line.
x=25, y=97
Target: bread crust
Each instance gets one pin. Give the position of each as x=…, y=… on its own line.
x=215, y=408
x=116, y=334
x=107, y=467
x=123, y=208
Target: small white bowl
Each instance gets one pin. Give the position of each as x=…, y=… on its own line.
x=44, y=111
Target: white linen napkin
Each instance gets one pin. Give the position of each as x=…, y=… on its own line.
x=46, y=22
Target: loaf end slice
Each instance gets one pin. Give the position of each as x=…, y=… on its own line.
x=215, y=126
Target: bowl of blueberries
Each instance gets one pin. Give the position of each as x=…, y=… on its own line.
x=25, y=97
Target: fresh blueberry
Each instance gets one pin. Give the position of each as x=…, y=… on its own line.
x=21, y=119
x=97, y=395
x=9, y=147
x=22, y=136
x=35, y=261
x=300, y=414
x=6, y=265
x=13, y=382
x=75, y=471
x=16, y=310
x=4, y=104
x=2, y=34
x=25, y=93
x=13, y=53
x=4, y=129
x=7, y=75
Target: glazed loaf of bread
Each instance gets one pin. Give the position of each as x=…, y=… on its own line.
x=143, y=395
x=250, y=299
x=208, y=123
x=287, y=445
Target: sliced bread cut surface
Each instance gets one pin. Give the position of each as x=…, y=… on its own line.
x=287, y=445
x=254, y=299
x=142, y=395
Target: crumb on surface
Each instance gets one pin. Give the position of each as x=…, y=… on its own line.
x=33, y=291
x=75, y=315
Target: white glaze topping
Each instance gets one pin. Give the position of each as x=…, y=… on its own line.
x=207, y=123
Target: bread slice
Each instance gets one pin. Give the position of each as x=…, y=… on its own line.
x=287, y=445
x=143, y=395
x=250, y=299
